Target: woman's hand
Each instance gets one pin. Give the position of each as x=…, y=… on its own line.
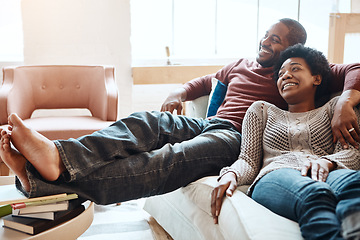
x=227, y=184
x=319, y=169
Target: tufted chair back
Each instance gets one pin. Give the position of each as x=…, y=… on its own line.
x=27, y=88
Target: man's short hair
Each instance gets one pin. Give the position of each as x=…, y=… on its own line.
x=297, y=33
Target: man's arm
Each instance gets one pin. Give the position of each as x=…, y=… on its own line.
x=189, y=91
x=344, y=119
x=193, y=89
x=174, y=101
x=346, y=79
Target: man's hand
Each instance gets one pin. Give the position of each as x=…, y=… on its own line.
x=174, y=101
x=344, y=123
x=227, y=184
x=319, y=169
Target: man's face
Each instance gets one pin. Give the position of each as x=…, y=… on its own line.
x=274, y=41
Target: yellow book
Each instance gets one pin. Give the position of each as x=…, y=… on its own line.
x=44, y=201
x=10, y=195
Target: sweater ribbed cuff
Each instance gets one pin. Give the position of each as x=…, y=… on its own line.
x=225, y=170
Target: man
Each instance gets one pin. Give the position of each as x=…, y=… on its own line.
x=153, y=153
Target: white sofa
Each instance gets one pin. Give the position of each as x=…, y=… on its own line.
x=185, y=213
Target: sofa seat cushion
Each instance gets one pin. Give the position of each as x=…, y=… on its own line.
x=185, y=214
x=66, y=127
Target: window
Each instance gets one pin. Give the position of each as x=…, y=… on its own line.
x=11, y=40
x=215, y=31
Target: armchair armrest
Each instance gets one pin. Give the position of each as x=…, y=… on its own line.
x=4, y=92
x=112, y=98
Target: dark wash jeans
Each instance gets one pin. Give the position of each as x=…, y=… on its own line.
x=318, y=207
x=145, y=154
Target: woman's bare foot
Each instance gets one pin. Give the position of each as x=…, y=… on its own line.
x=14, y=160
x=37, y=149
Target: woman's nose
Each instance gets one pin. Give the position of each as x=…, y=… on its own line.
x=286, y=75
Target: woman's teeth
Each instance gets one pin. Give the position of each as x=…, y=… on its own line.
x=288, y=85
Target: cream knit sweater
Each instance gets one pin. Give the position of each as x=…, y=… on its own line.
x=273, y=138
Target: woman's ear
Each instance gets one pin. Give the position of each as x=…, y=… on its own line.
x=317, y=80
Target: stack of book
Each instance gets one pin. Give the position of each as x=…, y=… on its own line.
x=35, y=215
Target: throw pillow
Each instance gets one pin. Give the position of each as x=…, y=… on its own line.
x=216, y=97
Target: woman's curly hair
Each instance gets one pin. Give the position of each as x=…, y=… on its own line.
x=318, y=66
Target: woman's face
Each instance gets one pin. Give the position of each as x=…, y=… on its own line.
x=296, y=84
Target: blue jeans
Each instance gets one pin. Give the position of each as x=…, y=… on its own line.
x=145, y=154
x=318, y=207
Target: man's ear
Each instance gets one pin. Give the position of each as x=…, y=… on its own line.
x=317, y=80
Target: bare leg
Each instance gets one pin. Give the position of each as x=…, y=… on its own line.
x=37, y=149
x=14, y=160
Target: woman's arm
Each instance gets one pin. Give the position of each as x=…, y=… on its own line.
x=248, y=165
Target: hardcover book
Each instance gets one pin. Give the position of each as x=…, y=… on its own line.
x=5, y=210
x=51, y=207
x=34, y=226
x=10, y=195
x=42, y=215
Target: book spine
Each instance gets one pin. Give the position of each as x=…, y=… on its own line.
x=42, y=202
x=5, y=210
x=32, y=199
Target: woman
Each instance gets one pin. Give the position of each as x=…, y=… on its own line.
x=289, y=157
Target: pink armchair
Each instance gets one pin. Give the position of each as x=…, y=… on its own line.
x=27, y=88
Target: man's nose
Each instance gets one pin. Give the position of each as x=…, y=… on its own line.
x=265, y=41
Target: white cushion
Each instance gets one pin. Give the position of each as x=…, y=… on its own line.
x=185, y=214
x=198, y=108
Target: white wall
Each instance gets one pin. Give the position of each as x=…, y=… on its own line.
x=81, y=32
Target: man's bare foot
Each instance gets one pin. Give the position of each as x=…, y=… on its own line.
x=14, y=160
x=37, y=149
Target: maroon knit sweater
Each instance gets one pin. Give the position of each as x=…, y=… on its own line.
x=248, y=82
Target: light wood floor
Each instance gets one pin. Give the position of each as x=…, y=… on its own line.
x=135, y=223
x=158, y=232
x=125, y=221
